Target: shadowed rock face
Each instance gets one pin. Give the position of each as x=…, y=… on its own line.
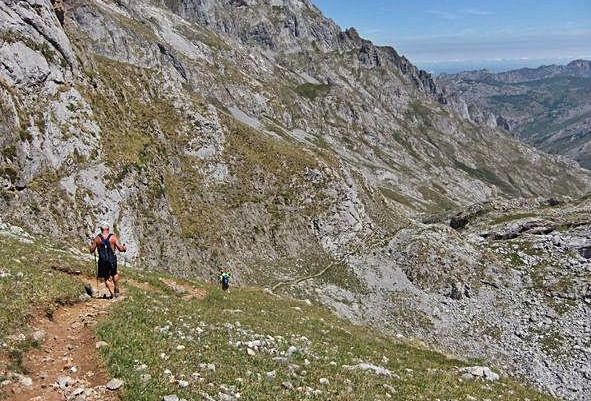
x=548, y=107
x=258, y=134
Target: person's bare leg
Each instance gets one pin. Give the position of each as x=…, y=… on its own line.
x=110, y=286
x=116, y=283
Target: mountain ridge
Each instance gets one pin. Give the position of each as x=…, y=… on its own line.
x=546, y=106
x=577, y=68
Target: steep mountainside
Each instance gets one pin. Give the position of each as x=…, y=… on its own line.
x=548, y=107
x=257, y=134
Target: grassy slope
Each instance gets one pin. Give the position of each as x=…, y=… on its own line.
x=155, y=320
x=150, y=326
x=34, y=283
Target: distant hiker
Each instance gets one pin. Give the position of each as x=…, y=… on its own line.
x=225, y=280
x=107, y=243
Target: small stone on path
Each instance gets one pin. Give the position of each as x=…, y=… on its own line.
x=63, y=382
x=114, y=384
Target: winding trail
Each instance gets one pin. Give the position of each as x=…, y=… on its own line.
x=67, y=365
x=67, y=354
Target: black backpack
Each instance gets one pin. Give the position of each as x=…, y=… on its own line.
x=105, y=251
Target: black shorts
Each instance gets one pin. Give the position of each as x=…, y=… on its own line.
x=107, y=269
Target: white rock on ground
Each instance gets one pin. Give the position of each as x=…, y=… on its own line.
x=114, y=384
x=63, y=381
x=475, y=372
x=378, y=370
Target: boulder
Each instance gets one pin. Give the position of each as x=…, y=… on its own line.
x=479, y=372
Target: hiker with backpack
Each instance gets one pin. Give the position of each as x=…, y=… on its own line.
x=107, y=243
x=225, y=280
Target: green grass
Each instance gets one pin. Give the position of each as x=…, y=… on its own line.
x=487, y=176
x=437, y=199
x=512, y=217
x=34, y=284
x=213, y=332
x=312, y=91
x=397, y=197
x=422, y=112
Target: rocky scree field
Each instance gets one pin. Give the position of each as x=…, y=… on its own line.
x=259, y=135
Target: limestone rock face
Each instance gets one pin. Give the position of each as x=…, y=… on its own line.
x=260, y=135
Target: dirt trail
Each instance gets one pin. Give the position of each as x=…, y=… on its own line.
x=66, y=365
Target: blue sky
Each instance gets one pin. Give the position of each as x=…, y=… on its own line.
x=434, y=34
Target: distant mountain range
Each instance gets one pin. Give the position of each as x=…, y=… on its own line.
x=548, y=107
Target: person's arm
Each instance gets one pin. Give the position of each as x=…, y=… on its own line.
x=93, y=245
x=121, y=248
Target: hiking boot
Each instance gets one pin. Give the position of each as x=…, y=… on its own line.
x=89, y=290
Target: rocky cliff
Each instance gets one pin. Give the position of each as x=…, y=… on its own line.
x=548, y=107
x=258, y=134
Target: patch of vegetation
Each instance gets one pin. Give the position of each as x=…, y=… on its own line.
x=312, y=91
x=408, y=315
x=341, y=275
x=437, y=198
x=422, y=112
x=131, y=114
x=551, y=342
x=397, y=197
x=33, y=282
x=9, y=152
x=205, y=342
x=9, y=172
x=266, y=182
x=512, y=217
x=43, y=47
x=16, y=355
x=487, y=176
x=196, y=33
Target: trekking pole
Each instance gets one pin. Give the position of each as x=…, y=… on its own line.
x=96, y=267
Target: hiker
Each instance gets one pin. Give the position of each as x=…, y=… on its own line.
x=225, y=280
x=107, y=243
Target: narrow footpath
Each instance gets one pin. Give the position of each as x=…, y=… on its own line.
x=67, y=365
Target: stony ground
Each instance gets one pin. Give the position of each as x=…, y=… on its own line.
x=64, y=364
x=172, y=339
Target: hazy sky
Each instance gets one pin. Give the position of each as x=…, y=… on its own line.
x=447, y=31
